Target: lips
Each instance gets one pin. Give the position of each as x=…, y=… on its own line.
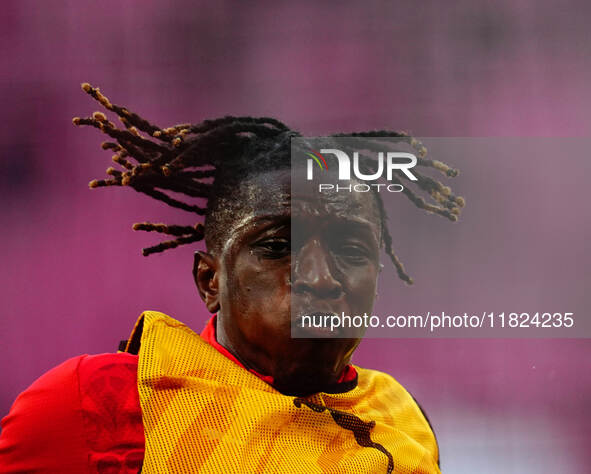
x=315, y=324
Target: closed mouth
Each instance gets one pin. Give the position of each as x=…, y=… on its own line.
x=315, y=324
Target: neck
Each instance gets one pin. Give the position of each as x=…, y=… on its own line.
x=299, y=382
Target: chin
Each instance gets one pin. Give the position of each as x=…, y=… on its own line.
x=302, y=385
x=310, y=376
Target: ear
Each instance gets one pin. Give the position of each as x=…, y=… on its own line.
x=205, y=274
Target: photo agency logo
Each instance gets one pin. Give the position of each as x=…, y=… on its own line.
x=385, y=164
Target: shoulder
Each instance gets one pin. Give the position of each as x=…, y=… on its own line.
x=51, y=417
x=410, y=415
x=375, y=381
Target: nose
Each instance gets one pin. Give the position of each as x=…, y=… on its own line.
x=313, y=272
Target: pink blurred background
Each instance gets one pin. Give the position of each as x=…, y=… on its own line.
x=73, y=279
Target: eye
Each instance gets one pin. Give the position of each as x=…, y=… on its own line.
x=353, y=252
x=275, y=247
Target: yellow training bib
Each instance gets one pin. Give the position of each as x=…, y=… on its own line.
x=203, y=413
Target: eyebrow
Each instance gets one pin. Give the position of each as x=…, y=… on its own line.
x=348, y=220
x=355, y=222
x=287, y=217
x=271, y=219
x=354, y=226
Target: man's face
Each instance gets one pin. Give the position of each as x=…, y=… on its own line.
x=301, y=254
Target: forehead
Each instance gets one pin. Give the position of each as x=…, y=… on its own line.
x=270, y=195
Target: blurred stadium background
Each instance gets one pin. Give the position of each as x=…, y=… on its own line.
x=73, y=279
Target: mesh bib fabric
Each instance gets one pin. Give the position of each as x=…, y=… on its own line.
x=203, y=413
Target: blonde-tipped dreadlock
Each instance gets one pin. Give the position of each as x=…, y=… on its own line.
x=186, y=159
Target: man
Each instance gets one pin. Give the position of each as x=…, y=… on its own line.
x=244, y=396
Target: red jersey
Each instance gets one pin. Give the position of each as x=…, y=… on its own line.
x=84, y=415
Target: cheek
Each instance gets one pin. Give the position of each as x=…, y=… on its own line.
x=258, y=290
x=361, y=288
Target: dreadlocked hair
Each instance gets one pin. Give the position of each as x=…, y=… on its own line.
x=204, y=161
